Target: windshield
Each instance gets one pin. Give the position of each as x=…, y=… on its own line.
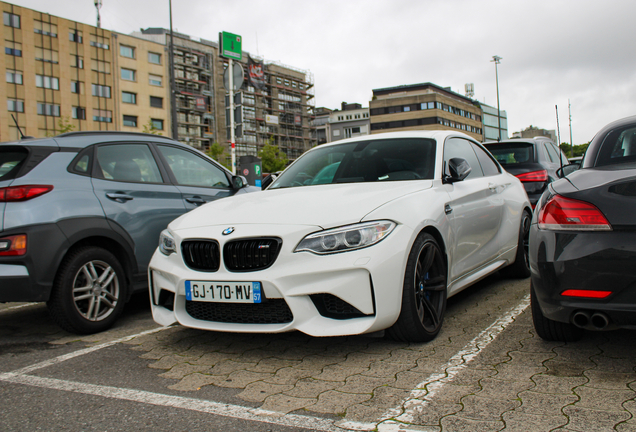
x=364, y=161
x=512, y=153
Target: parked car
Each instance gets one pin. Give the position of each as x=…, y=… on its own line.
x=82, y=213
x=355, y=236
x=534, y=161
x=583, y=241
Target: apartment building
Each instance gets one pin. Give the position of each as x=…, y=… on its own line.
x=351, y=121
x=62, y=75
x=424, y=106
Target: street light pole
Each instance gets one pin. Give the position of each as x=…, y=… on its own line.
x=497, y=59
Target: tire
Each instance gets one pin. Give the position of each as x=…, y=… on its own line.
x=80, y=302
x=548, y=329
x=520, y=269
x=423, y=294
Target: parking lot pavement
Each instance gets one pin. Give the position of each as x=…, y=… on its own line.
x=486, y=370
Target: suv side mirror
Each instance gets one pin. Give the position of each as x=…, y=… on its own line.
x=238, y=182
x=458, y=169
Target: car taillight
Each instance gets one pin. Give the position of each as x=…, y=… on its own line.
x=13, y=245
x=23, y=193
x=561, y=213
x=534, y=176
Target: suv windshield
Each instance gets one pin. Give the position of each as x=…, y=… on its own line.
x=11, y=159
x=512, y=153
x=364, y=161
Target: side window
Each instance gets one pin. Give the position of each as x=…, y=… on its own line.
x=128, y=162
x=190, y=169
x=461, y=148
x=489, y=166
x=552, y=153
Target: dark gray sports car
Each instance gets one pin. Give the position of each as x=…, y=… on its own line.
x=583, y=241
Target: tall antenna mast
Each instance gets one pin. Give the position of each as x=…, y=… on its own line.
x=570, y=114
x=98, y=6
x=558, y=128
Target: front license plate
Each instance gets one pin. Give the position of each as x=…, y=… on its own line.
x=225, y=292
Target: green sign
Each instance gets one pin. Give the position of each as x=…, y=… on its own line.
x=231, y=46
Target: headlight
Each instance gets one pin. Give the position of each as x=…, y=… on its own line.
x=167, y=244
x=346, y=238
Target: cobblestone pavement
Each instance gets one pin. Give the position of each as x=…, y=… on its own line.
x=513, y=381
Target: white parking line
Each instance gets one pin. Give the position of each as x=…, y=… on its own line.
x=392, y=421
x=12, y=308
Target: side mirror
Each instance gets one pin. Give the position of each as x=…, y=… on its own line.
x=568, y=169
x=458, y=169
x=239, y=182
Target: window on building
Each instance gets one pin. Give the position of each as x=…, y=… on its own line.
x=77, y=61
x=154, y=58
x=77, y=87
x=100, y=90
x=48, y=109
x=44, y=28
x=128, y=97
x=103, y=116
x=75, y=36
x=156, y=102
x=15, y=105
x=128, y=74
x=157, y=124
x=130, y=121
x=13, y=48
x=155, y=80
x=100, y=42
x=126, y=51
x=78, y=113
x=11, y=20
x=100, y=66
x=47, y=82
x=46, y=55
x=14, y=77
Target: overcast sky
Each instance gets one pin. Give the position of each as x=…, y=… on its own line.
x=552, y=50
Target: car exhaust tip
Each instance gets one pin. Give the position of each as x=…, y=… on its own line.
x=581, y=319
x=599, y=321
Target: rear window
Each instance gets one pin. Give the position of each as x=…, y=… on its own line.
x=11, y=160
x=512, y=153
x=618, y=147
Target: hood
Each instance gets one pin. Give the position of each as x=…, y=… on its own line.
x=325, y=206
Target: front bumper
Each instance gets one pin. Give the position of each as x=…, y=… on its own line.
x=586, y=261
x=369, y=280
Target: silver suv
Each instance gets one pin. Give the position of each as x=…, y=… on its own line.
x=82, y=213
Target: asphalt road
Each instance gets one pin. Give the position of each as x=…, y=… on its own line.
x=486, y=370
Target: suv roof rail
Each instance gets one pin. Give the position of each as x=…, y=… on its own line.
x=89, y=133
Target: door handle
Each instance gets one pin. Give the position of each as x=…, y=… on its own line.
x=493, y=187
x=119, y=196
x=196, y=200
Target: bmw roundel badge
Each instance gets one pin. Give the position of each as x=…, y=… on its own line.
x=228, y=231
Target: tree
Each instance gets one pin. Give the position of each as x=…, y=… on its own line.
x=272, y=159
x=64, y=125
x=216, y=151
x=579, y=150
x=150, y=128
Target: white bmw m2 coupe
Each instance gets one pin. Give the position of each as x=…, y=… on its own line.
x=356, y=236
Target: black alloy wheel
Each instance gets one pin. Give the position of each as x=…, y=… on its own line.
x=520, y=269
x=424, y=293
